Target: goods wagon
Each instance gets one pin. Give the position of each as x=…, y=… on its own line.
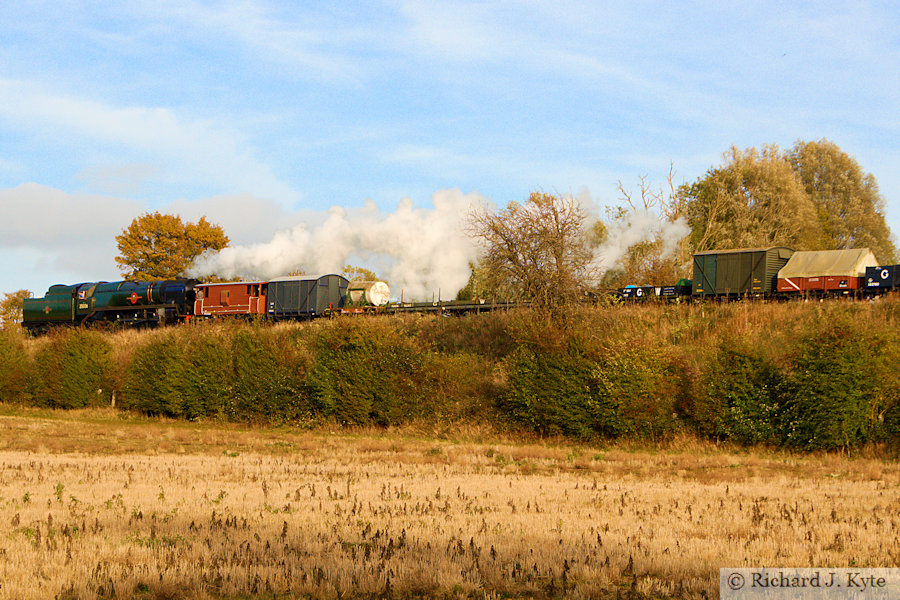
x=305, y=297
x=670, y=293
x=638, y=293
x=738, y=272
x=369, y=293
x=826, y=271
x=883, y=278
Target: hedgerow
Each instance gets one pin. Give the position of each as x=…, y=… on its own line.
x=802, y=376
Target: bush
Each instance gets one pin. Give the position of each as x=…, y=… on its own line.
x=840, y=384
x=643, y=382
x=367, y=372
x=154, y=382
x=464, y=388
x=486, y=335
x=269, y=372
x=13, y=366
x=207, y=373
x=72, y=370
x=740, y=400
x=558, y=392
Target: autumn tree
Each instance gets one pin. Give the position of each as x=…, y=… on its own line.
x=754, y=200
x=536, y=250
x=11, y=307
x=849, y=207
x=157, y=246
x=355, y=274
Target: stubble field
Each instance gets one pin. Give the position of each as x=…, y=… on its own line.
x=94, y=504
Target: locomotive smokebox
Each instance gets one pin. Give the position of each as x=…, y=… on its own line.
x=374, y=293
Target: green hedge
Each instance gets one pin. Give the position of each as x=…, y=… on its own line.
x=839, y=386
x=802, y=376
x=71, y=370
x=269, y=369
x=741, y=397
x=13, y=366
x=559, y=393
x=367, y=372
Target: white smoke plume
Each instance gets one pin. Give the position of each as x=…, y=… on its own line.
x=419, y=251
x=634, y=227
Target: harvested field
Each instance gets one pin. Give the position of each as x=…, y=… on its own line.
x=100, y=505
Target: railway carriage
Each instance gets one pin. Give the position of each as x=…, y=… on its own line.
x=242, y=298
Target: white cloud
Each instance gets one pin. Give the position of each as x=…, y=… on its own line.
x=117, y=179
x=48, y=236
x=184, y=150
x=42, y=217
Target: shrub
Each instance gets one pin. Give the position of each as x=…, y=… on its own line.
x=269, y=371
x=72, y=369
x=558, y=392
x=154, y=382
x=206, y=371
x=367, y=372
x=740, y=396
x=464, y=387
x=643, y=382
x=838, y=386
x=13, y=366
x=486, y=334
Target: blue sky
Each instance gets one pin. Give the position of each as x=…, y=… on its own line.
x=262, y=115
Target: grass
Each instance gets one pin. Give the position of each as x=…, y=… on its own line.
x=102, y=504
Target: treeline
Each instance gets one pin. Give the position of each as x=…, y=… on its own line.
x=805, y=376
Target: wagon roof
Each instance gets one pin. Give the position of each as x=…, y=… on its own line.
x=230, y=283
x=841, y=263
x=306, y=277
x=742, y=250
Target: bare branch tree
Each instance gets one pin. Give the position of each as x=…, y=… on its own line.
x=537, y=249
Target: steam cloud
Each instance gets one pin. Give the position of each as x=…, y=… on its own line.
x=635, y=227
x=419, y=251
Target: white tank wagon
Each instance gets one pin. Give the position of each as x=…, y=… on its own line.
x=368, y=293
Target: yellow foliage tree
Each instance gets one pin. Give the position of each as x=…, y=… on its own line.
x=157, y=246
x=754, y=200
x=355, y=274
x=849, y=205
x=11, y=307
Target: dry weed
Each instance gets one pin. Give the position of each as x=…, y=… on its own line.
x=96, y=506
